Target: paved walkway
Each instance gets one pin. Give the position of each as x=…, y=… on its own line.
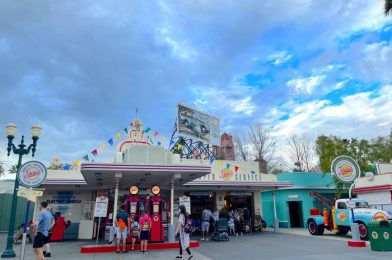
x=266, y=245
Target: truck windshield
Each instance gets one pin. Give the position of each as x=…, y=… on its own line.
x=362, y=204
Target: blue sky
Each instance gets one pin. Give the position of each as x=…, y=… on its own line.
x=81, y=68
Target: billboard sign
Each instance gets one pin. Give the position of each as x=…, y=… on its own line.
x=345, y=169
x=197, y=125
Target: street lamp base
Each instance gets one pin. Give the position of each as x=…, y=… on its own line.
x=8, y=254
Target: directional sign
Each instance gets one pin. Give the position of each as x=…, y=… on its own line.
x=25, y=193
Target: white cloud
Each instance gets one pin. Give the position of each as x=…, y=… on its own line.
x=357, y=116
x=305, y=85
x=244, y=105
x=279, y=58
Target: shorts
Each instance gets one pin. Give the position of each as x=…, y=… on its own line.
x=144, y=235
x=122, y=233
x=40, y=240
x=205, y=226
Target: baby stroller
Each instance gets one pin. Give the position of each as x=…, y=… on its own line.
x=259, y=223
x=221, y=233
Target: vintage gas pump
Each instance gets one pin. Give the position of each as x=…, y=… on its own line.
x=157, y=231
x=133, y=205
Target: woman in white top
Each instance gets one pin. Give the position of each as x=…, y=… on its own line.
x=184, y=237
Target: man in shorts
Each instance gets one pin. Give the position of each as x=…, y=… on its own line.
x=122, y=222
x=205, y=223
x=145, y=224
x=43, y=222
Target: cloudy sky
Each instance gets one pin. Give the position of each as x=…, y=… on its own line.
x=81, y=68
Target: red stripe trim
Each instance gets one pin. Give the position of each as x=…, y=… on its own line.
x=133, y=142
x=231, y=183
x=374, y=188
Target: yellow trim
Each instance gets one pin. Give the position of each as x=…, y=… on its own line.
x=335, y=227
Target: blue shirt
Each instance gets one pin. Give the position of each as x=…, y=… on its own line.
x=44, y=218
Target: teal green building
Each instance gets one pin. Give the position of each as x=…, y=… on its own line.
x=293, y=204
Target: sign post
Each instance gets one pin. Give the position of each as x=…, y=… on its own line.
x=186, y=201
x=30, y=175
x=347, y=170
x=101, y=208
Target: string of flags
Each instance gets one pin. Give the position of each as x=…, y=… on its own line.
x=150, y=135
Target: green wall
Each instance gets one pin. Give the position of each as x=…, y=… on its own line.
x=5, y=211
x=282, y=208
x=303, y=184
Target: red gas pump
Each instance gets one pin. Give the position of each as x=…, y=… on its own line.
x=133, y=206
x=157, y=231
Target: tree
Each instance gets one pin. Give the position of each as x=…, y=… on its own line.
x=263, y=145
x=388, y=7
x=300, y=152
x=1, y=169
x=241, y=147
x=13, y=169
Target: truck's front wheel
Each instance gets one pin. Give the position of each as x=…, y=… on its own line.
x=363, y=231
x=314, y=229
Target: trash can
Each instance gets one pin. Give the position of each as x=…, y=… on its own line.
x=380, y=235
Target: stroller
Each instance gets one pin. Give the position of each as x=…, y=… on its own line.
x=221, y=233
x=259, y=223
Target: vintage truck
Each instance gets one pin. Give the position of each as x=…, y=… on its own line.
x=337, y=218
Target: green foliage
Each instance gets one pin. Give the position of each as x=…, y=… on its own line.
x=13, y=169
x=365, y=152
x=1, y=169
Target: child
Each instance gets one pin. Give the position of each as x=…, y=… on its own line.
x=231, y=226
x=135, y=231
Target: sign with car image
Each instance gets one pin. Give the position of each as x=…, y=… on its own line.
x=197, y=125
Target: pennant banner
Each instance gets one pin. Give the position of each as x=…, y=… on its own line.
x=156, y=133
x=85, y=157
x=163, y=138
x=171, y=142
x=67, y=167
x=126, y=130
x=102, y=147
x=95, y=152
x=76, y=164
x=118, y=136
x=228, y=165
x=236, y=168
x=159, y=143
x=110, y=141
x=147, y=130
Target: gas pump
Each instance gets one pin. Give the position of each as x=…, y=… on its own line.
x=157, y=231
x=133, y=206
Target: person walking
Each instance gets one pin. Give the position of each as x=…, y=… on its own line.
x=237, y=223
x=135, y=228
x=122, y=223
x=41, y=226
x=145, y=223
x=181, y=229
x=205, y=224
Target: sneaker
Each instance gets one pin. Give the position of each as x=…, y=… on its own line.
x=125, y=251
x=48, y=254
x=202, y=239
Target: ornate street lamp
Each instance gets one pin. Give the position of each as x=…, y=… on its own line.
x=10, y=131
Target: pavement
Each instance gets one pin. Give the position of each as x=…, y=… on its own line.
x=265, y=245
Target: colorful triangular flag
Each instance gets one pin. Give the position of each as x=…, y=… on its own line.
x=67, y=167
x=212, y=160
x=95, y=152
x=159, y=143
x=236, y=168
x=126, y=130
x=171, y=142
x=110, y=141
x=156, y=133
x=147, y=130
x=163, y=138
x=85, y=157
x=228, y=165
x=102, y=147
x=76, y=164
x=118, y=136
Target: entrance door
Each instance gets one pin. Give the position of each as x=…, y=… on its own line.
x=295, y=211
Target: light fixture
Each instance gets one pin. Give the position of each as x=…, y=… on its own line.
x=36, y=131
x=10, y=130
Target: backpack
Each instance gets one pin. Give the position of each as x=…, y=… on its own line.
x=188, y=225
x=121, y=224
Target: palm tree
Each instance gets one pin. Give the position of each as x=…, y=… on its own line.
x=13, y=169
x=388, y=7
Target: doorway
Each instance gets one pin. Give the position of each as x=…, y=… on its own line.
x=295, y=211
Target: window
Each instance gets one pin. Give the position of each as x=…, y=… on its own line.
x=342, y=205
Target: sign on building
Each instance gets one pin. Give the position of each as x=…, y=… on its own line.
x=101, y=205
x=32, y=174
x=197, y=125
x=345, y=169
x=186, y=201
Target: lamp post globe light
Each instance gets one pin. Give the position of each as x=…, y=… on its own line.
x=20, y=150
